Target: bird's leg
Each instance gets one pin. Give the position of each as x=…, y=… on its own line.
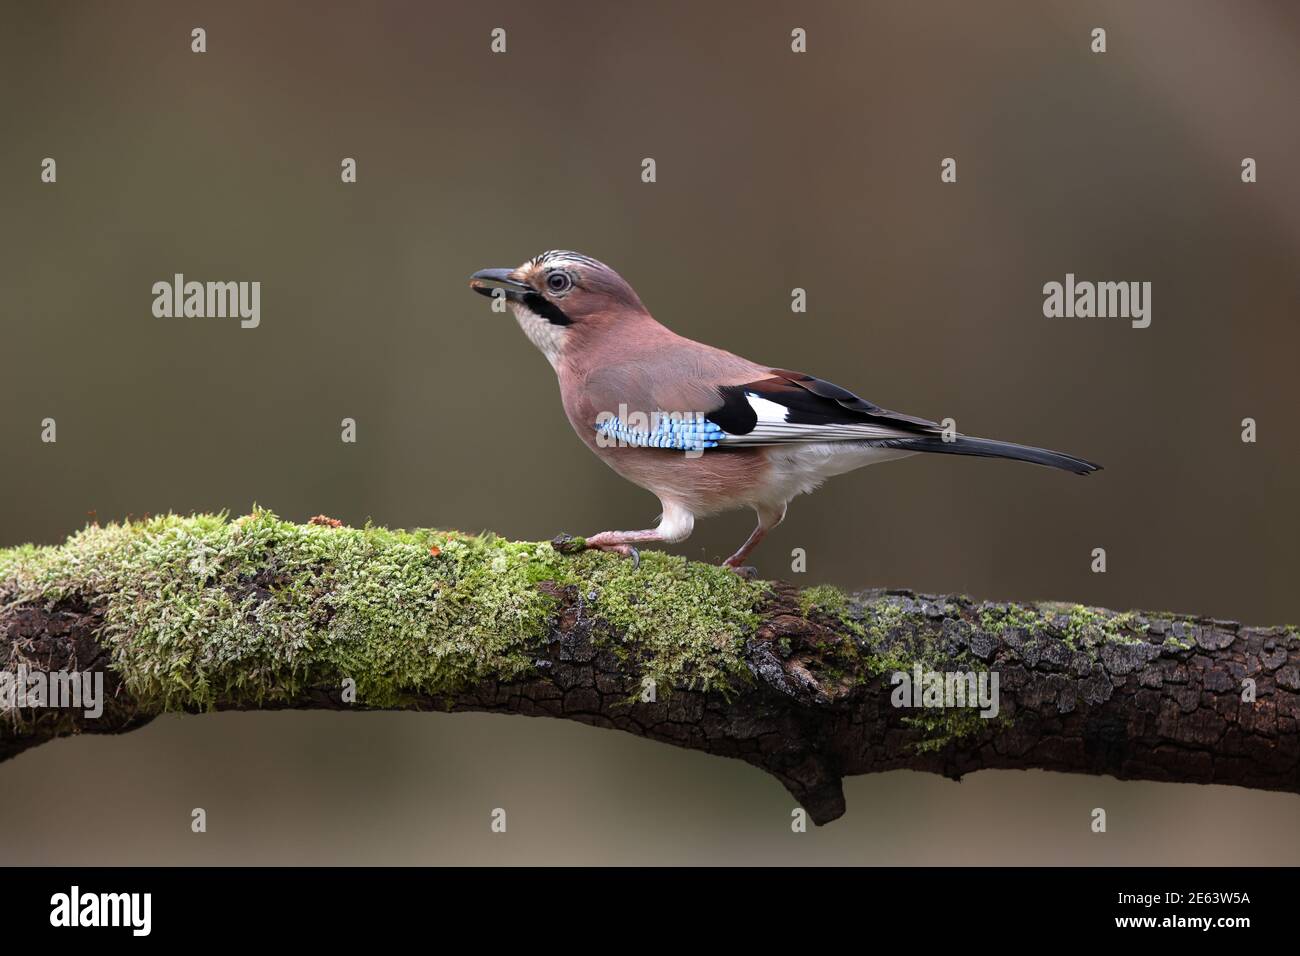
x=768, y=518
x=675, y=524
x=738, y=559
x=622, y=542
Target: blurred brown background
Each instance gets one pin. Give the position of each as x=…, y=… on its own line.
x=775, y=170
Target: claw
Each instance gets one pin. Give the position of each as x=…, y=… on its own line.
x=635, y=555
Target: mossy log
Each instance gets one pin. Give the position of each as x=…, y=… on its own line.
x=209, y=613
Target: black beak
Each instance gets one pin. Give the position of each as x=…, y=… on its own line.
x=514, y=289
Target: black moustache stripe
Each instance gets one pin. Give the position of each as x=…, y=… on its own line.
x=546, y=309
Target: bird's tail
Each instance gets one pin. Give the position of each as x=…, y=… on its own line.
x=988, y=448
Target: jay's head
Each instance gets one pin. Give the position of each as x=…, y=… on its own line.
x=560, y=295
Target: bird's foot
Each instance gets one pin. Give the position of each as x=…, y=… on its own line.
x=747, y=572
x=605, y=541
x=626, y=550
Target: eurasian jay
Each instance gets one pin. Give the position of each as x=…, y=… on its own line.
x=704, y=430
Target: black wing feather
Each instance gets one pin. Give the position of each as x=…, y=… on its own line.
x=817, y=410
x=812, y=402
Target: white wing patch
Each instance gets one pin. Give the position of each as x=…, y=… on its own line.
x=773, y=429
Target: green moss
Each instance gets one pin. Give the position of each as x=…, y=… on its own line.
x=684, y=623
x=999, y=618
x=1081, y=628
x=885, y=638
x=941, y=727
x=882, y=620
x=825, y=599
x=203, y=608
x=1086, y=628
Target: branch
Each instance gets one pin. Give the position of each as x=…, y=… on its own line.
x=205, y=613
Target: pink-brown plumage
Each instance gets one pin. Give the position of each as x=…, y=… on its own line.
x=778, y=433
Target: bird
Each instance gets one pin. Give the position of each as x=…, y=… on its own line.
x=703, y=429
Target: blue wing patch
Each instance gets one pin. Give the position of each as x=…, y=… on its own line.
x=672, y=430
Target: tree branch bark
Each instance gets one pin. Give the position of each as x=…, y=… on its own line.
x=808, y=694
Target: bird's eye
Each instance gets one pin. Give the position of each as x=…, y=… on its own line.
x=559, y=282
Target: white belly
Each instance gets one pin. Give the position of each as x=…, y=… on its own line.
x=799, y=469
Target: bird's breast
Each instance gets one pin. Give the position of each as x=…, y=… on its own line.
x=704, y=482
